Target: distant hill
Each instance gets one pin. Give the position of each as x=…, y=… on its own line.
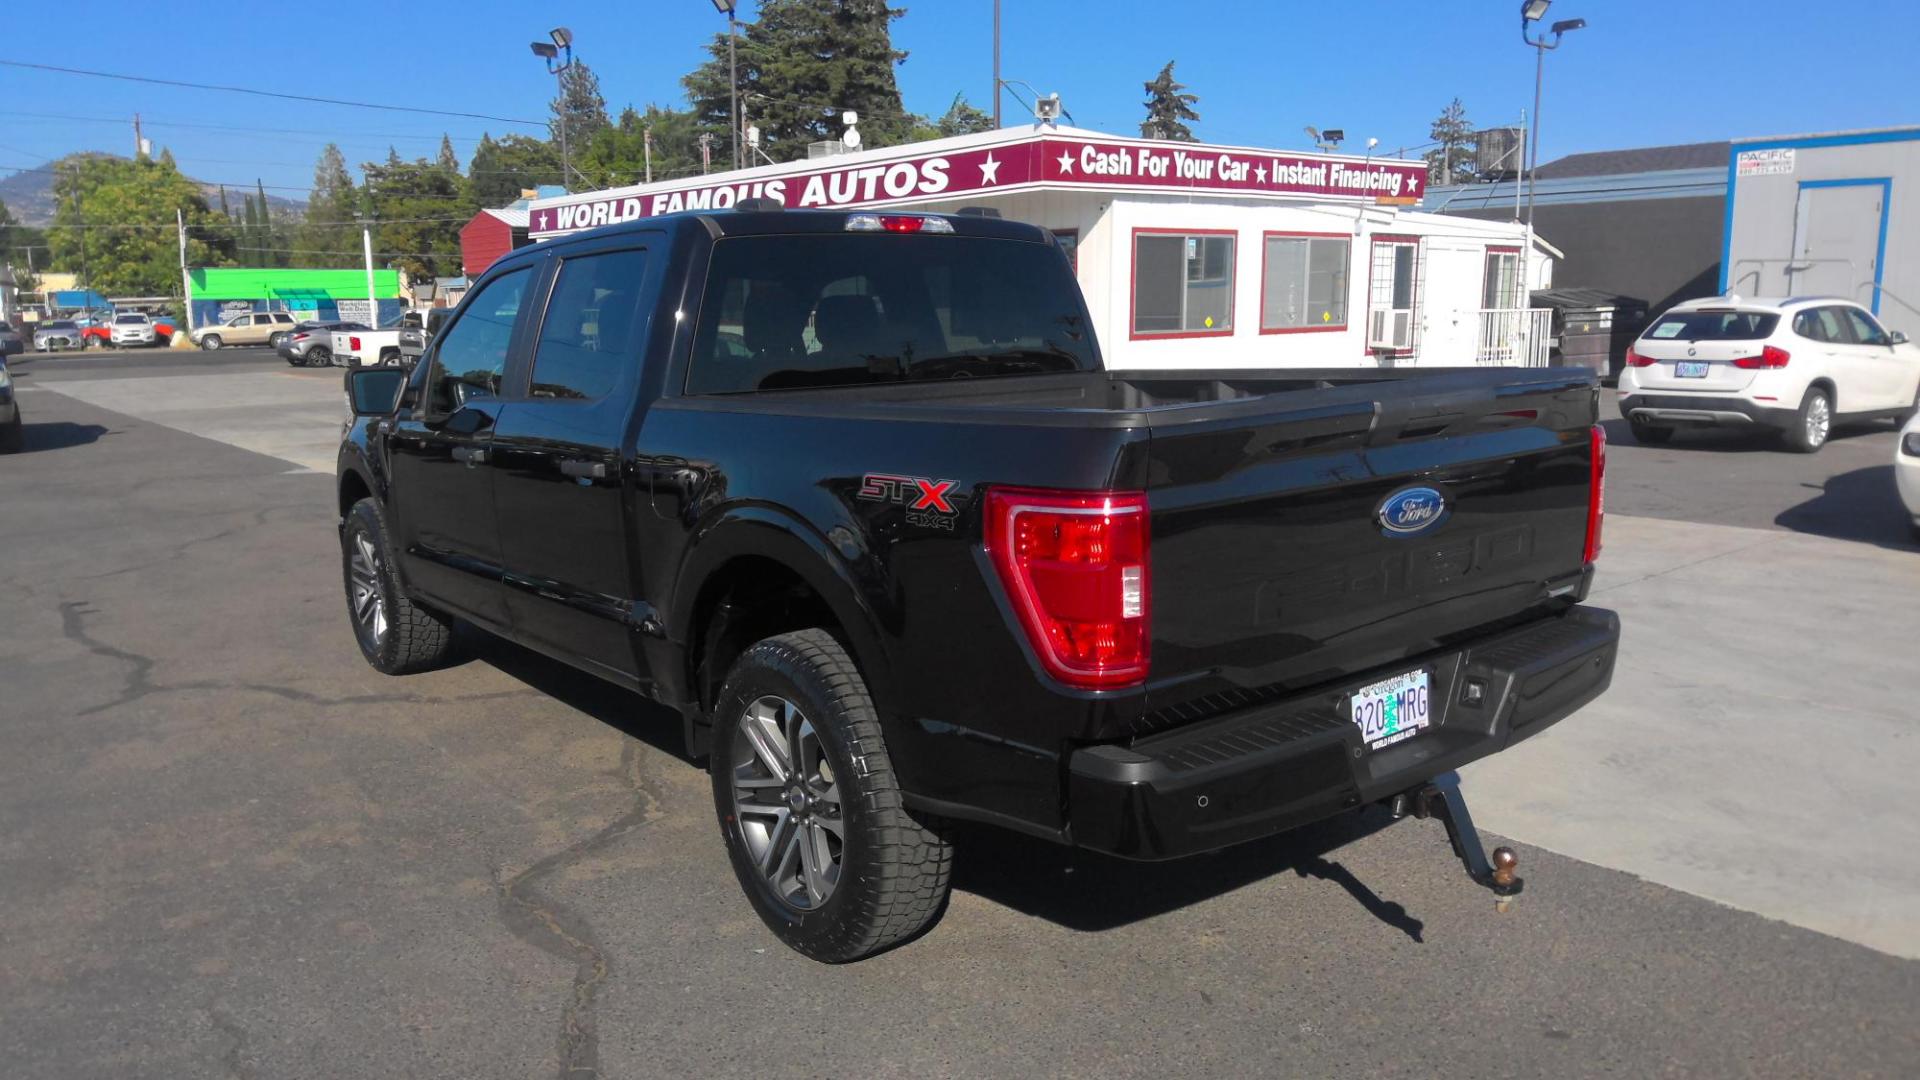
x=29, y=195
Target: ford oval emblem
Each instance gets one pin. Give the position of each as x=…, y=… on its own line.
x=1412, y=511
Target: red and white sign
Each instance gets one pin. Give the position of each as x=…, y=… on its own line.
x=1057, y=161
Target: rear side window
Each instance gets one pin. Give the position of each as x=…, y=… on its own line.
x=1819, y=324
x=589, y=333
x=786, y=312
x=1712, y=326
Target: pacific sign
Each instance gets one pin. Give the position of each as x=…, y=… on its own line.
x=1051, y=160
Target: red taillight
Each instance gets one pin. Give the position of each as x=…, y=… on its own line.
x=353, y=343
x=1772, y=356
x=301, y=337
x=1638, y=359
x=1074, y=564
x=1596, y=491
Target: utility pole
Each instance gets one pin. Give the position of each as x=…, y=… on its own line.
x=996, y=64
x=373, y=305
x=646, y=149
x=139, y=144
x=733, y=83
x=706, y=150
x=186, y=278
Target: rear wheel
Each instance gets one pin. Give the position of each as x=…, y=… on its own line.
x=1812, y=424
x=210, y=342
x=1649, y=434
x=827, y=852
x=319, y=356
x=396, y=635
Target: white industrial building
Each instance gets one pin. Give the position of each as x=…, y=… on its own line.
x=1190, y=255
x=1827, y=215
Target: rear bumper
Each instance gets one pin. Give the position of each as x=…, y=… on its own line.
x=1702, y=409
x=1253, y=774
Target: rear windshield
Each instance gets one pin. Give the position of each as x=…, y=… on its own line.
x=129, y=320
x=785, y=312
x=1712, y=326
x=61, y=324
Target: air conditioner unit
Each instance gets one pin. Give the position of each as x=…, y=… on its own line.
x=1390, y=329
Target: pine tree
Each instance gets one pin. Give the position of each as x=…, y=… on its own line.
x=801, y=64
x=329, y=224
x=579, y=106
x=962, y=119
x=446, y=159
x=1169, y=107
x=1452, y=161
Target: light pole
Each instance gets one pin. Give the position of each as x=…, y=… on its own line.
x=366, y=244
x=727, y=8
x=550, y=51
x=1531, y=11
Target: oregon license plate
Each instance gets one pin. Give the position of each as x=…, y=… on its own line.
x=1392, y=709
x=1691, y=369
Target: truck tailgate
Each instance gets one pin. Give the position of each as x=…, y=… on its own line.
x=1272, y=568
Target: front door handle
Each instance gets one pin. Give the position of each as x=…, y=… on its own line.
x=472, y=455
x=584, y=470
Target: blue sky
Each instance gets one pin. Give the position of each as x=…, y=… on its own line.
x=1641, y=74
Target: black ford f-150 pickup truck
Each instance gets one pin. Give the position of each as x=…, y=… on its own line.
x=854, y=494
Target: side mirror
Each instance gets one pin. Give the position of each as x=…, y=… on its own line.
x=375, y=391
x=1898, y=337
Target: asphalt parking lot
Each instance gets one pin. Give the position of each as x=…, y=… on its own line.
x=229, y=848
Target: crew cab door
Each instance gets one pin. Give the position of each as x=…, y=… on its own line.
x=443, y=500
x=559, y=488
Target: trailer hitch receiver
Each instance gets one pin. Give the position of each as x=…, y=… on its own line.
x=1441, y=798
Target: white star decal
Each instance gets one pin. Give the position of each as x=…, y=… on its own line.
x=1261, y=172
x=989, y=170
x=1413, y=183
x=1066, y=162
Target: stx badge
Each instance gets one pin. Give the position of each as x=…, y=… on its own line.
x=929, y=502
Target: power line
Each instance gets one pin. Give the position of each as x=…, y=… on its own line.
x=249, y=128
x=269, y=93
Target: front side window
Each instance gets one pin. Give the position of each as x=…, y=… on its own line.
x=1393, y=296
x=793, y=312
x=589, y=334
x=1304, y=283
x=1865, y=330
x=472, y=356
x=1182, y=284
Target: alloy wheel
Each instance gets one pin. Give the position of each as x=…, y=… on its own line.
x=787, y=803
x=363, y=589
x=1819, y=420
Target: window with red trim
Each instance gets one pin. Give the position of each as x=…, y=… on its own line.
x=1182, y=283
x=1393, y=295
x=1500, y=288
x=1303, y=282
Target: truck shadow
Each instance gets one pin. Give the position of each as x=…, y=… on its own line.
x=58, y=435
x=1084, y=890
x=1078, y=889
x=1863, y=506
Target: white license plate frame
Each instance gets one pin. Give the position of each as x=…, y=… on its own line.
x=1394, y=709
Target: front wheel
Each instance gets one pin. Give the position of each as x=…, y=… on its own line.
x=396, y=635
x=210, y=342
x=814, y=823
x=1812, y=424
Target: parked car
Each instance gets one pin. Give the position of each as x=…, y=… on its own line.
x=310, y=344
x=130, y=329
x=56, y=334
x=108, y=334
x=855, y=494
x=12, y=430
x=11, y=343
x=1906, y=471
x=1795, y=366
x=252, y=328
x=390, y=346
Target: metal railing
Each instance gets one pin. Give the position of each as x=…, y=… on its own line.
x=1514, y=337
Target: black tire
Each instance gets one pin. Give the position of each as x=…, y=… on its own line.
x=389, y=356
x=413, y=638
x=319, y=356
x=1648, y=434
x=13, y=436
x=893, y=870
x=1806, y=435
x=273, y=340
x=210, y=342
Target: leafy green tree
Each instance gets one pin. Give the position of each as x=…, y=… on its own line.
x=618, y=155
x=129, y=246
x=501, y=169
x=1452, y=161
x=962, y=118
x=801, y=64
x=15, y=241
x=329, y=227
x=1169, y=108
x=447, y=160
x=418, y=211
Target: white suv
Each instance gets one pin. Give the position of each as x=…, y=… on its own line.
x=1795, y=365
x=131, y=328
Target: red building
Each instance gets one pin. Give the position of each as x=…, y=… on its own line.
x=491, y=234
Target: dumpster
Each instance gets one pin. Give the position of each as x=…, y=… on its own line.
x=1592, y=327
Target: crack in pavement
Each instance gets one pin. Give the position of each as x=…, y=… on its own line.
x=556, y=929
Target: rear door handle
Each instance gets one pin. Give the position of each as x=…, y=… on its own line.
x=584, y=470
x=472, y=455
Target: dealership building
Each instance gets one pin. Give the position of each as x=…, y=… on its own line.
x=1190, y=255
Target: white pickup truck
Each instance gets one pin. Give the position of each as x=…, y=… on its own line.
x=355, y=348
